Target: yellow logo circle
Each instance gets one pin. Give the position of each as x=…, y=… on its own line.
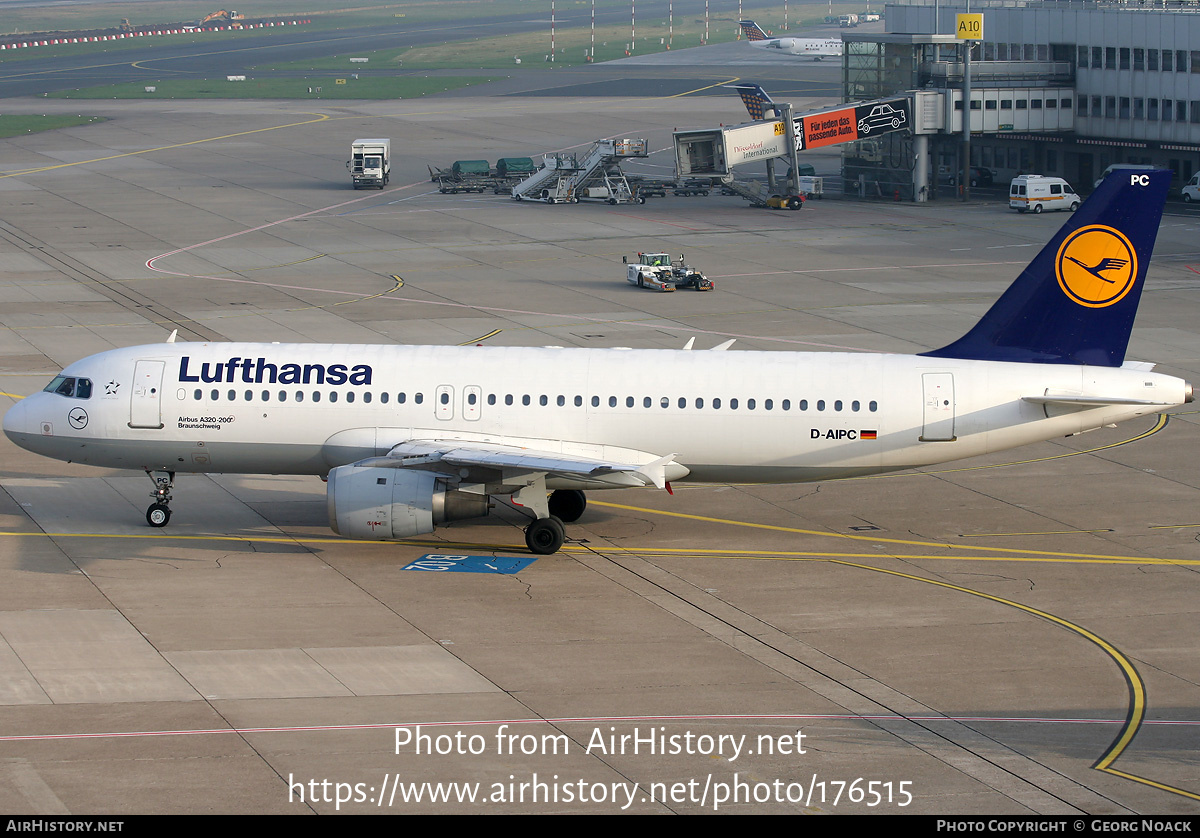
x=1096, y=266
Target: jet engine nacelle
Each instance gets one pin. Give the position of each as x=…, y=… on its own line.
x=391, y=503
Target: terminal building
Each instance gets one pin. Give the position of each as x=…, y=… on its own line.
x=1058, y=87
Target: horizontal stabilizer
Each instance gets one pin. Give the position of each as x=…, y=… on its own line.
x=1093, y=401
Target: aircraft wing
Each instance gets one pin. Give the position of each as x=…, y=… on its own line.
x=457, y=454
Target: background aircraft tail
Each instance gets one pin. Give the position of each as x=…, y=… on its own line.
x=1076, y=302
x=753, y=31
x=756, y=100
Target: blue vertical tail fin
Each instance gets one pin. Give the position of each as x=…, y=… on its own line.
x=1076, y=301
x=753, y=31
x=756, y=100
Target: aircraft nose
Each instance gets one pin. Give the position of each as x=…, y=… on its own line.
x=15, y=420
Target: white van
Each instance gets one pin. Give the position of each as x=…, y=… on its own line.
x=1191, y=190
x=1039, y=192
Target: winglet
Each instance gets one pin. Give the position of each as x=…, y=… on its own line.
x=1076, y=301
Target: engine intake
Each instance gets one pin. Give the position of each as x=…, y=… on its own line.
x=392, y=503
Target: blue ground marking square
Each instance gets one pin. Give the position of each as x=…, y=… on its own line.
x=471, y=564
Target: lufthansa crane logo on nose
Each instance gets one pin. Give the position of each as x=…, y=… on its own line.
x=78, y=418
x=1096, y=266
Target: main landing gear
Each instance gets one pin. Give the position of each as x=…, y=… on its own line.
x=159, y=513
x=546, y=534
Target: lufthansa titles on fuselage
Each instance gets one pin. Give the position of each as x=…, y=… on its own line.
x=259, y=371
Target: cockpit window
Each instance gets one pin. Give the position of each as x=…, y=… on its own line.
x=78, y=388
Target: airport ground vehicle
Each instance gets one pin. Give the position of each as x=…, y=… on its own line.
x=982, y=177
x=1191, y=190
x=1035, y=193
x=694, y=186
x=660, y=271
x=370, y=162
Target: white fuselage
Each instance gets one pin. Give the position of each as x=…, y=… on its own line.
x=816, y=48
x=769, y=417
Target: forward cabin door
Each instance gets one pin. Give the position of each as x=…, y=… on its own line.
x=938, y=424
x=145, y=397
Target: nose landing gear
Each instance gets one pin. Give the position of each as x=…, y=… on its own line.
x=159, y=513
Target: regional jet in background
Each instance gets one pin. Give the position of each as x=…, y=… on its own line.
x=410, y=437
x=815, y=48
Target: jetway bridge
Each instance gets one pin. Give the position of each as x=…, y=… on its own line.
x=921, y=114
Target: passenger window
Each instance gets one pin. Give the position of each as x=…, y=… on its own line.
x=197, y=395
x=525, y=400
x=837, y=405
x=716, y=404
x=508, y=400
x=367, y=398
x=383, y=397
x=332, y=396
x=749, y=404
x=629, y=401
x=401, y=398
x=786, y=404
x=232, y=395
x=854, y=406
x=349, y=396
x=873, y=406
x=595, y=401
x=804, y=404
x=700, y=404
x=418, y=398
x=316, y=395
x=820, y=404
x=733, y=404
x=299, y=395
x=215, y=395
x=645, y=401
x=664, y=402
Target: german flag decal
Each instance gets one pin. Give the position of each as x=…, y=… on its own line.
x=867, y=435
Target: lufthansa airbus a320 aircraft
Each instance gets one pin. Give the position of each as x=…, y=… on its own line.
x=415, y=436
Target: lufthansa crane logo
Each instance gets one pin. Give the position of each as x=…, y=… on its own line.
x=1096, y=266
